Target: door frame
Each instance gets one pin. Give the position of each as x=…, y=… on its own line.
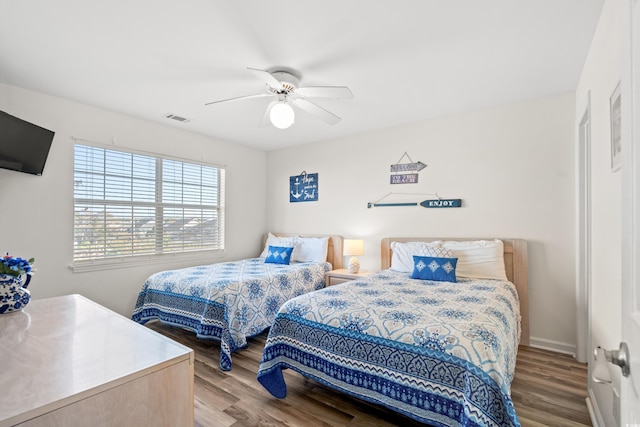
x=629, y=409
x=583, y=209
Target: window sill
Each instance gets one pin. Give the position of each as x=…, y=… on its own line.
x=207, y=257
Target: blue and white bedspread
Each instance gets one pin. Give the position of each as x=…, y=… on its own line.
x=441, y=353
x=227, y=301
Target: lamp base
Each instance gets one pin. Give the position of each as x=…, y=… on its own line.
x=354, y=265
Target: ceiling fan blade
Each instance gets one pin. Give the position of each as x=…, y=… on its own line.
x=261, y=95
x=265, y=120
x=315, y=110
x=266, y=77
x=338, y=92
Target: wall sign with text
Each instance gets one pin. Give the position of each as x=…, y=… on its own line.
x=405, y=173
x=303, y=188
x=441, y=203
x=434, y=203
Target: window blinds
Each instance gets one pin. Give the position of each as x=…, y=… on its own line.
x=130, y=204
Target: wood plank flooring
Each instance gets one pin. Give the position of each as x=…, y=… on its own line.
x=549, y=389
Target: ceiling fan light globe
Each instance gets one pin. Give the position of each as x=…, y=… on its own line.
x=282, y=115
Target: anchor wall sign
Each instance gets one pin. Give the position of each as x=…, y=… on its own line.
x=303, y=187
x=405, y=173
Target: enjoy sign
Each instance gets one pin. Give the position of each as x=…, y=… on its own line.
x=442, y=203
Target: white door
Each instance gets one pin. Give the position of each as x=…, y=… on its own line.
x=630, y=305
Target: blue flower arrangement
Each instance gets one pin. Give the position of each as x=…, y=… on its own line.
x=15, y=266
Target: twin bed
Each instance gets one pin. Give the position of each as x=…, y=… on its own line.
x=232, y=301
x=439, y=352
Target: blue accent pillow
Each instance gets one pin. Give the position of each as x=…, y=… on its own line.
x=434, y=268
x=278, y=255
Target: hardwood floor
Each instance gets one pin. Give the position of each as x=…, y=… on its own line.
x=549, y=389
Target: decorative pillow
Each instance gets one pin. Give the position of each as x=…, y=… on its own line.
x=273, y=240
x=479, y=259
x=402, y=253
x=311, y=249
x=434, y=268
x=278, y=255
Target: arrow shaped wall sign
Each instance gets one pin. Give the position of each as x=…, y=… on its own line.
x=407, y=167
x=405, y=178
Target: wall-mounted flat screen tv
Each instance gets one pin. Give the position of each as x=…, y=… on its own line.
x=24, y=147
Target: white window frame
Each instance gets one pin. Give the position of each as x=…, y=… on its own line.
x=155, y=252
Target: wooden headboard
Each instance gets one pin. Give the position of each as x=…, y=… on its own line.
x=334, y=250
x=515, y=262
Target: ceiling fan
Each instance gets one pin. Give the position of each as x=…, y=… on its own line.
x=284, y=87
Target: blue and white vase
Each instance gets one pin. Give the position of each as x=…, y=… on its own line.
x=14, y=295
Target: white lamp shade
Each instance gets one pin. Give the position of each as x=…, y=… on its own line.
x=353, y=247
x=281, y=115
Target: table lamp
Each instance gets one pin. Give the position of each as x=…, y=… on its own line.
x=353, y=248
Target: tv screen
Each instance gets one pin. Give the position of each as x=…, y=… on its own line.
x=24, y=147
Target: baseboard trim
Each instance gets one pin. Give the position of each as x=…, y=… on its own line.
x=594, y=412
x=557, y=346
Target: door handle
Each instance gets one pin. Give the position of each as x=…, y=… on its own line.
x=618, y=357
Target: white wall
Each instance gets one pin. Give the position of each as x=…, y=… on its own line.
x=600, y=76
x=512, y=165
x=37, y=215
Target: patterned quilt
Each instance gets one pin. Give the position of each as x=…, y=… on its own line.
x=441, y=353
x=226, y=301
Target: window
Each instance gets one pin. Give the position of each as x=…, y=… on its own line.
x=129, y=204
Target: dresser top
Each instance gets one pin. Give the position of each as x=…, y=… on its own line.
x=59, y=350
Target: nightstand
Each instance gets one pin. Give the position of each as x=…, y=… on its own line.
x=342, y=275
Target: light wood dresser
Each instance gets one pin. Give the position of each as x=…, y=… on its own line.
x=68, y=361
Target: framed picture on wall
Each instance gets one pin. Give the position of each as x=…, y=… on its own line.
x=616, y=129
x=303, y=187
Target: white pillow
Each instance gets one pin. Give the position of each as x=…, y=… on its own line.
x=273, y=240
x=402, y=254
x=479, y=259
x=311, y=249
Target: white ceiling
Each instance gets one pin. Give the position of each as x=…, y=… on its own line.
x=404, y=60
